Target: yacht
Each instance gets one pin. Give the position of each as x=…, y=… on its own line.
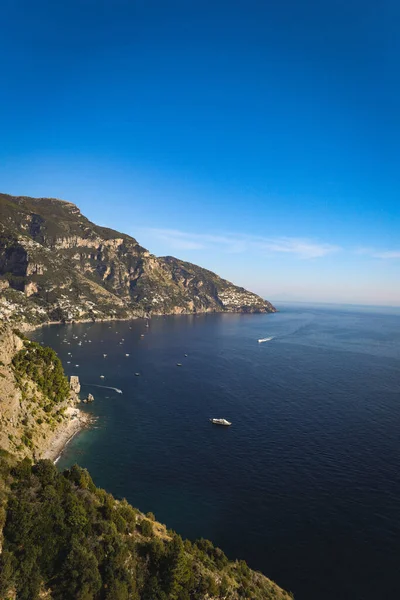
x=221, y=422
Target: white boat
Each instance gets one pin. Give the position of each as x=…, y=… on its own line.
x=265, y=340
x=126, y=354
x=101, y=376
x=221, y=422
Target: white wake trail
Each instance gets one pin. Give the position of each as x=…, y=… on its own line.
x=107, y=387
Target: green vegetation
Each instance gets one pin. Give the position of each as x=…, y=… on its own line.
x=42, y=365
x=66, y=538
x=34, y=394
x=62, y=538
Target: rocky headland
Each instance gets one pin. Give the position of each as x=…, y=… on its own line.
x=38, y=406
x=60, y=536
x=56, y=265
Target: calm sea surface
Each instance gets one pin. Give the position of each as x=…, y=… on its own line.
x=304, y=486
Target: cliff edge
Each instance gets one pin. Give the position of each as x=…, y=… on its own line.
x=38, y=412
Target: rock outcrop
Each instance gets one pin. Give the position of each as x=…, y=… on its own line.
x=74, y=384
x=56, y=265
x=29, y=419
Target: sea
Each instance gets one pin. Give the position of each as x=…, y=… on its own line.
x=305, y=483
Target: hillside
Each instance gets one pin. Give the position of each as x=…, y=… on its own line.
x=61, y=537
x=66, y=539
x=37, y=405
x=56, y=265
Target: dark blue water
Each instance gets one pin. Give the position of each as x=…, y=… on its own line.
x=304, y=486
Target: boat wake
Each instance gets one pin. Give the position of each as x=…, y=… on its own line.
x=268, y=339
x=107, y=387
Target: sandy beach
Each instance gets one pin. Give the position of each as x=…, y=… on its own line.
x=77, y=421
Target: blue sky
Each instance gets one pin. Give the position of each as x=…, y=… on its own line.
x=259, y=139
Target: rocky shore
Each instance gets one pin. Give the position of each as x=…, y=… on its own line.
x=34, y=421
x=77, y=420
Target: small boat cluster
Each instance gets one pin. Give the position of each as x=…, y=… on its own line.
x=221, y=422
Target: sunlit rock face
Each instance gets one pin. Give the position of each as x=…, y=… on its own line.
x=57, y=265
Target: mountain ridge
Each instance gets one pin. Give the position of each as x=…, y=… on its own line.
x=57, y=265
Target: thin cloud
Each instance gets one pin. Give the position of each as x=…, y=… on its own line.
x=389, y=254
x=176, y=239
x=301, y=248
x=382, y=254
x=240, y=243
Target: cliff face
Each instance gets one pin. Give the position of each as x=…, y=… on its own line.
x=10, y=395
x=30, y=417
x=57, y=265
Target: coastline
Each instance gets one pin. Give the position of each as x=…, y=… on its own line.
x=78, y=421
x=26, y=327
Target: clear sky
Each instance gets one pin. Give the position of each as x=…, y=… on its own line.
x=259, y=139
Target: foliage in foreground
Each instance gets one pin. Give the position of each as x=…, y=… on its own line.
x=69, y=540
x=42, y=365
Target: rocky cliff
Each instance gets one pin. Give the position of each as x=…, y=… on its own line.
x=57, y=265
x=37, y=406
